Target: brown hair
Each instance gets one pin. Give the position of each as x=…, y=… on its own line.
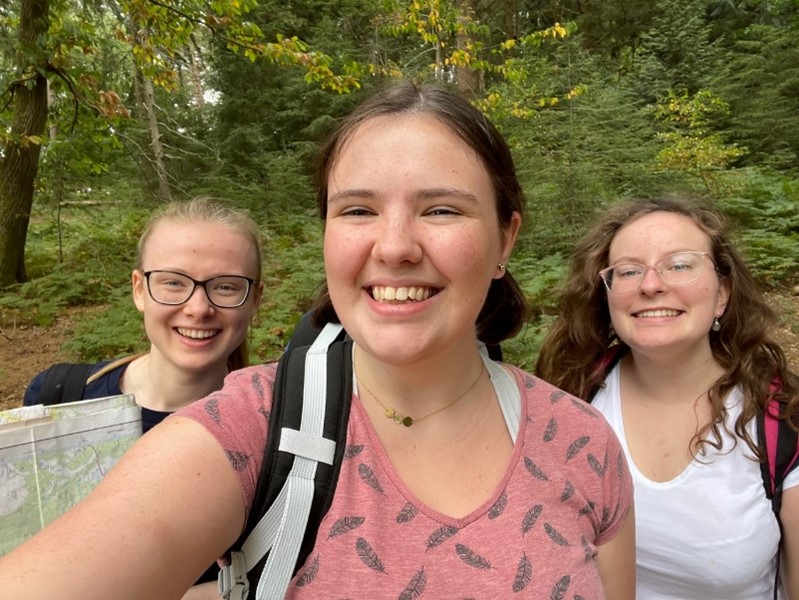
x=203, y=209
x=505, y=308
x=581, y=333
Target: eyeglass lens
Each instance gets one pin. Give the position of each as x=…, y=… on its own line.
x=227, y=291
x=675, y=269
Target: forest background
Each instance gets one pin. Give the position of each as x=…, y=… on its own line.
x=110, y=107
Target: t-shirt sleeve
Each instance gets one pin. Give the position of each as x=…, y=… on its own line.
x=238, y=417
x=617, y=489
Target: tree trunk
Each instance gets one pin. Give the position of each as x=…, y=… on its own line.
x=158, y=157
x=468, y=78
x=20, y=160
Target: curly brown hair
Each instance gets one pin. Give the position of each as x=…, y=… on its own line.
x=578, y=340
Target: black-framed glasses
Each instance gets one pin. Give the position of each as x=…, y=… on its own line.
x=674, y=269
x=224, y=291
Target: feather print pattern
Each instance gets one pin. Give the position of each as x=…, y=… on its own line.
x=256, y=385
x=309, y=574
x=587, y=509
x=369, y=478
x=499, y=506
x=352, y=451
x=212, y=408
x=595, y=465
x=415, y=587
x=568, y=491
x=561, y=588
x=583, y=406
x=407, y=514
x=576, y=446
x=238, y=460
x=588, y=551
x=368, y=556
x=556, y=396
x=555, y=536
x=344, y=525
x=534, y=470
x=524, y=573
x=529, y=382
x=440, y=535
x=471, y=558
x=551, y=431
x=530, y=517
x=265, y=413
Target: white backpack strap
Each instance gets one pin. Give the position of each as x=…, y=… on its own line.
x=282, y=528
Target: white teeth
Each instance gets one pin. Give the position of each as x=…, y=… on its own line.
x=400, y=294
x=197, y=334
x=657, y=313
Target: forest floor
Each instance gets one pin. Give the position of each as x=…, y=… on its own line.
x=25, y=349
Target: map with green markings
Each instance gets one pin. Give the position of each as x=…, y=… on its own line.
x=52, y=456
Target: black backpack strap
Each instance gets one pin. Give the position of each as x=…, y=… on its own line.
x=292, y=448
x=64, y=382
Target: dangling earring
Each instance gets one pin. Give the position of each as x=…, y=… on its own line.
x=716, y=325
x=501, y=268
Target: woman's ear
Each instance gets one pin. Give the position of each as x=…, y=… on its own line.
x=138, y=286
x=723, y=296
x=509, y=237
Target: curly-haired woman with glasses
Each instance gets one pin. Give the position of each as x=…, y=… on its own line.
x=657, y=285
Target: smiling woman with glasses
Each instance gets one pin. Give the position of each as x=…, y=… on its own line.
x=196, y=337
x=675, y=351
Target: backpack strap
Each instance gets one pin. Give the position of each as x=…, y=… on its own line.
x=782, y=448
x=64, y=382
x=302, y=460
x=606, y=364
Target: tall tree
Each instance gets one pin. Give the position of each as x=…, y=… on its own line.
x=21, y=149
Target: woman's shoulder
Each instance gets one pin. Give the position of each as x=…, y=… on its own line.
x=61, y=371
x=543, y=396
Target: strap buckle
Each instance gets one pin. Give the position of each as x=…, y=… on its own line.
x=232, y=580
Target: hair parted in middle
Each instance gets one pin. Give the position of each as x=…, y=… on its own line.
x=504, y=311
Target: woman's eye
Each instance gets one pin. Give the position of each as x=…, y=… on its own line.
x=442, y=210
x=626, y=271
x=357, y=212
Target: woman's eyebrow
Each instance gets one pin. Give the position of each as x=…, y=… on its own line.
x=353, y=193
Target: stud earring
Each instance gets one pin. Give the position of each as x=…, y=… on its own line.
x=716, y=325
x=501, y=268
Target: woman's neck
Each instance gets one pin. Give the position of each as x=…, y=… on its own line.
x=158, y=385
x=677, y=380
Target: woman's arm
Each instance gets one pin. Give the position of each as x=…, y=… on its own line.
x=169, y=508
x=789, y=515
x=616, y=562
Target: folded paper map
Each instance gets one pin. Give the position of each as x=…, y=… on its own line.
x=52, y=456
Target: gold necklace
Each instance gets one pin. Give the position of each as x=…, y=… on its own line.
x=406, y=420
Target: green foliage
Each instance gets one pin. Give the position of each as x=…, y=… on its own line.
x=592, y=113
x=766, y=212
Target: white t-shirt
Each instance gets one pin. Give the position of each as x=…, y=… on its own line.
x=708, y=534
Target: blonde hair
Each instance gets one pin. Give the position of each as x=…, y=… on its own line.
x=204, y=209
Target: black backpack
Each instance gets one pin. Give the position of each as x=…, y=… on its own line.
x=66, y=382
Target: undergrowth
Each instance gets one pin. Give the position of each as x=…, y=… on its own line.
x=83, y=257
